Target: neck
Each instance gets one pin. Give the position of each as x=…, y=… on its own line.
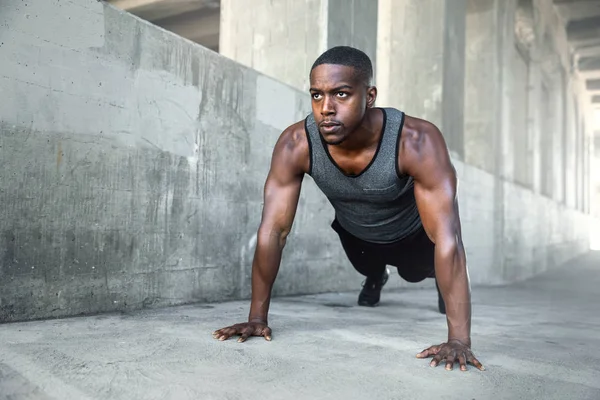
x=364, y=135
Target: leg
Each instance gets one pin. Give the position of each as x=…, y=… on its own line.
x=365, y=259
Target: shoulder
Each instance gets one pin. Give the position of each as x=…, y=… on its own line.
x=422, y=148
x=292, y=148
x=420, y=136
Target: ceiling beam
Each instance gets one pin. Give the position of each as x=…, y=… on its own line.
x=589, y=63
x=571, y=1
x=152, y=10
x=583, y=29
x=130, y=4
x=592, y=84
x=201, y=26
x=589, y=75
x=591, y=48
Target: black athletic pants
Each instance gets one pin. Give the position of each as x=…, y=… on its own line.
x=413, y=256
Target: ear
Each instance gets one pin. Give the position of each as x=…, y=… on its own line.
x=371, y=96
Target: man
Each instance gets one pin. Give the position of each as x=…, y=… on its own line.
x=393, y=187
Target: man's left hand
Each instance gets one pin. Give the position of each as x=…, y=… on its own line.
x=452, y=351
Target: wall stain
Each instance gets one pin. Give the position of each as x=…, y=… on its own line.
x=10, y=247
x=59, y=156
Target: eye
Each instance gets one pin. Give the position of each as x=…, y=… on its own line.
x=342, y=94
x=316, y=96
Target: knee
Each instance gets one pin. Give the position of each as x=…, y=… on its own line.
x=415, y=276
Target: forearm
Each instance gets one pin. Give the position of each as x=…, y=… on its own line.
x=265, y=267
x=453, y=281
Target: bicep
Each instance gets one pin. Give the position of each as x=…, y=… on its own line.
x=437, y=207
x=436, y=187
x=280, y=202
x=282, y=189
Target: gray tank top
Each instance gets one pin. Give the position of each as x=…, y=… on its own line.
x=377, y=205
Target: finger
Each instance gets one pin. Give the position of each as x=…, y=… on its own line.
x=450, y=360
x=218, y=332
x=246, y=332
x=476, y=363
x=433, y=350
x=227, y=333
x=267, y=333
x=243, y=338
x=436, y=360
x=425, y=353
x=462, y=360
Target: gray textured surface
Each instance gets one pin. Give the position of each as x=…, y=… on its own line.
x=285, y=37
x=537, y=340
x=132, y=168
x=132, y=171
x=425, y=80
x=358, y=201
x=524, y=109
x=482, y=84
x=353, y=23
x=280, y=38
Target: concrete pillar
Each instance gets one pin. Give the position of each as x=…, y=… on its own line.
x=594, y=190
x=483, y=120
x=587, y=191
x=558, y=139
x=283, y=38
x=571, y=160
x=501, y=86
x=579, y=167
x=420, y=69
x=487, y=141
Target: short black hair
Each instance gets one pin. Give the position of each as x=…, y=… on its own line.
x=348, y=56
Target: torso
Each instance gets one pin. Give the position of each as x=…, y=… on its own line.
x=372, y=198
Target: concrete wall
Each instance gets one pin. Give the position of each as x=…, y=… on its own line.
x=511, y=229
x=522, y=127
x=520, y=90
x=482, y=84
x=133, y=166
x=353, y=23
x=511, y=233
x=282, y=38
x=422, y=79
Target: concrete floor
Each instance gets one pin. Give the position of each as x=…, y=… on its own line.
x=538, y=339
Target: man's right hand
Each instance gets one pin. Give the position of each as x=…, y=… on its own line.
x=245, y=330
x=289, y=163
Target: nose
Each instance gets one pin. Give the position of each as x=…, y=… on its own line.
x=328, y=106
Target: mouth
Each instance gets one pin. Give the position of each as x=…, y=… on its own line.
x=329, y=127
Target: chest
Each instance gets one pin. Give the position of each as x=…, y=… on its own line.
x=375, y=185
x=352, y=164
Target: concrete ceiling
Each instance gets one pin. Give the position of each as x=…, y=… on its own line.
x=196, y=20
x=582, y=19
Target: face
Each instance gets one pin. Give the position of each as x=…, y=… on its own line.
x=339, y=101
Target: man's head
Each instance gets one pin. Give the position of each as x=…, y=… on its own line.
x=341, y=91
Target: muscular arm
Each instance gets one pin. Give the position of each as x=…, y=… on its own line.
x=281, y=193
x=426, y=158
